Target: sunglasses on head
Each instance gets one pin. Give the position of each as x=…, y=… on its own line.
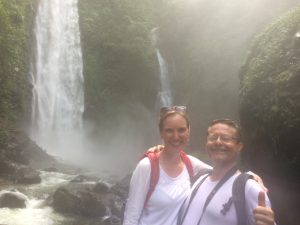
x=175, y=108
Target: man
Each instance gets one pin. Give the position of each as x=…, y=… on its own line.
x=209, y=203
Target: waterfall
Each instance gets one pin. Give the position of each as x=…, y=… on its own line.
x=57, y=79
x=165, y=94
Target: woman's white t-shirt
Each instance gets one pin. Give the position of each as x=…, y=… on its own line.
x=166, y=199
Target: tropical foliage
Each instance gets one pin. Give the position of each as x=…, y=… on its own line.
x=120, y=66
x=16, y=19
x=270, y=94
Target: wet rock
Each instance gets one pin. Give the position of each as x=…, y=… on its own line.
x=65, y=202
x=121, y=188
x=91, y=200
x=18, y=158
x=80, y=178
x=22, y=150
x=18, y=173
x=7, y=168
x=91, y=205
x=16, y=154
x=12, y=199
x=83, y=202
x=27, y=175
x=101, y=188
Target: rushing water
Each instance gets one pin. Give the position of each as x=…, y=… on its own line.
x=165, y=94
x=35, y=213
x=57, y=79
x=37, y=210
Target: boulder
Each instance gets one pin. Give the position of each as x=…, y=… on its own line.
x=91, y=205
x=101, y=188
x=78, y=202
x=12, y=199
x=66, y=202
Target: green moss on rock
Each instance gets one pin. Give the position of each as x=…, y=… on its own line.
x=270, y=97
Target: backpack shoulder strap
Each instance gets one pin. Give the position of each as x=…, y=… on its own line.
x=238, y=193
x=188, y=164
x=154, y=176
x=184, y=210
x=199, y=174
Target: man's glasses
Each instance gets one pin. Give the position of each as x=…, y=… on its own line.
x=175, y=108
x=222, y=138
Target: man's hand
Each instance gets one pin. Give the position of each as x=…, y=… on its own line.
x=262, y=214
x=156, y=148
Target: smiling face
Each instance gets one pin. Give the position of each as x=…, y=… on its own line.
x=223, y=145
x=175, y=131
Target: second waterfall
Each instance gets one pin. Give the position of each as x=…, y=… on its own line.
x=165, y=94
x=57, y=79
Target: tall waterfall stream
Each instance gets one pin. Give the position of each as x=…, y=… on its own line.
x=57, y=79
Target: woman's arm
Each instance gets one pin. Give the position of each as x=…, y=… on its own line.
x=198, y=165
x=138, y=189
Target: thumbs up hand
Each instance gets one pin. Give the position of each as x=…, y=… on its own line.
x=262, y=199
x=262, y=214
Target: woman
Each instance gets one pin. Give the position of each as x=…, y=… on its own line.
x=174, y=183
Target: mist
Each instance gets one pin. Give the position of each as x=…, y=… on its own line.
x=204, y=43
x=207, y=42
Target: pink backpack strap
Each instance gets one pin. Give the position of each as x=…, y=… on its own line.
x=154, y=176
x=188, y=164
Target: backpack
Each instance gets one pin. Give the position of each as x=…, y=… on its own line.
x=154, y=177
x=238, y=198
x=238, y=195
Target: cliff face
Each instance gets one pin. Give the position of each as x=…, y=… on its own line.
x=270, y=109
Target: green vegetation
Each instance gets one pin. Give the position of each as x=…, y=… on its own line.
x=120, y=66
x=16, y=18
x=270, y=95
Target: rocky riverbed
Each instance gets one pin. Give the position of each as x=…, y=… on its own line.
x=36, y=188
